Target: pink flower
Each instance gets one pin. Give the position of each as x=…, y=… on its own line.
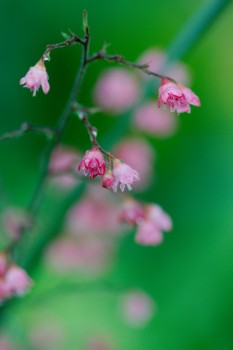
x=124, y=175
x=17, y=280
x=93, y=163
x=132, y=212
x=149, y=231
x=137, y=308
x=177, y=97
x=138, y=153
x=36, y=77
x=5, y=292
x=116, y=90
x=108, y=179
x=154, y=121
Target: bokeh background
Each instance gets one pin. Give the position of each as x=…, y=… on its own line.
x=190, y=276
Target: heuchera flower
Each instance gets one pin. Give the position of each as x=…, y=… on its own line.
x=177, y=97
x=36, y=77
x=123, y=175
x=108, y=180
x=93, y=163
x=132, y=212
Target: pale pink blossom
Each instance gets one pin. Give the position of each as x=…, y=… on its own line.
x=124, y=175
x=5, y=292
x=108, y=179
x=177, y=97
x=17, y=280
x=64, y=159
x=154, y=121
x=132, y=212
x=36, y=77
x=137, y=308
x=93, y=163
x=150, y=230
x=47, y=335
x=148, y=233
x=98, y=343
x=116, y=90
x=3, y=264
x=6, y=343
x=138, y=153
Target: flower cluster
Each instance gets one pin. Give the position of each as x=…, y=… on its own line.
x=14, y=281
x=121, y=174
x=176, y=96
x=150, y=220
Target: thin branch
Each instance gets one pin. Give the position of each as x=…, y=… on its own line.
x=25, y=128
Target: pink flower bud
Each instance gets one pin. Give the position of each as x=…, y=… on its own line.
x=93, y=163
x=36, y=77
x=108, y=180
x=137, y=308
x=124, y=175
x=178, y=98
x=116, y=90
x=17, y=280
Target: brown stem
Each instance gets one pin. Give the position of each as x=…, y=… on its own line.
x=27, y=127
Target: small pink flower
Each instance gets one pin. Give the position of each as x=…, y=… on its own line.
x=124, y=175
x=36, y=77
x=108, y=179
x=132, y=212
x=17, y=280
x=93, y=163
x=177, y=97
x=158, y=216
x=5, y=292
x=137, y=308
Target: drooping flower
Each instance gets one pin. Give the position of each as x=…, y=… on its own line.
x=177, y=97
x=17, y=280
x=132, y=212
x=124, y=175
x=36, y=77
x=93, y=163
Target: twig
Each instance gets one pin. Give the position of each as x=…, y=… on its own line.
x=25, y=128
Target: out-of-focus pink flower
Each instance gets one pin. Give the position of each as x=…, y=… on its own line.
x=95, y=213
x=6, y=343
x=149, y=231
x=132, y=212
x=155, y=58
x=178, y=98
x=93, y=163
x=64, y=159
x=17, y=280
x=137, y=308
x=139, y=155
x=14, y=221
x=116, y=90
x=36, y=77
x=108, y=179
x=47, y=335
x=3, y=264
x=86, y=254
x=124, y=175
x=154, y=121
x=98, y=343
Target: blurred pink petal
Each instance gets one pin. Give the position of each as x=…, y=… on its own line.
x=17, y=280
x=148, y=233
x=132, y=212
x=155, y=121
x=116, y=90
x=64, y=159
x=137, y=308
x=47, y=336
x=140, y=156
x=124, y=175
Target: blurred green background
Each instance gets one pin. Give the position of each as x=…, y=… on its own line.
x=191, y=274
